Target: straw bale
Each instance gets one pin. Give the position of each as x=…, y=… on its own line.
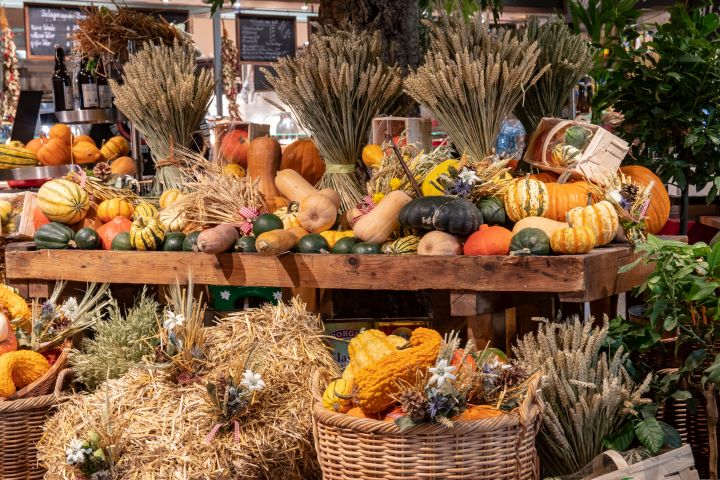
x=165, y=424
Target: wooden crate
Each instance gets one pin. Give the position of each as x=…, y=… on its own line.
x=419, y=130
x=254, y=130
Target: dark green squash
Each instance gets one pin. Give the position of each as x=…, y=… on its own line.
x=245, y=244
x=54, y=235
x=458, y=216
x=173, y=242
x=419, y=212
x=345, y=245
x=366, y=248
x=190, y=242
x=493, y=211
x=121, y=242
x=266, y=222
x=530, y=241
x=87, y=239
x=313, y=243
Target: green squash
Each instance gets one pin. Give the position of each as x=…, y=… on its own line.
x=190, y=242
x=345, y=245
x=245, y=244
x=493, y=211
x=173, y=242
x=121, y=242
x=458, y=216
x=87, y=239
x=418, y=214
x=530, y=241
x=54, y=235
x=578, y=136
x=366, y=248
x=265, y=223
x=313, y=243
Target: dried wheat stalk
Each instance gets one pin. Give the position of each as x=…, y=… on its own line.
x=166, y=97
x=473, y=77
x=335, y=90
x=570, y=57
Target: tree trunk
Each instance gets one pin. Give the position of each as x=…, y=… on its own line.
x=712, y=419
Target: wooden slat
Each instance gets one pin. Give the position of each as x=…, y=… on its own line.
x=710, y=221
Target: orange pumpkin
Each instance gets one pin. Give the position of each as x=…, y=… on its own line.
x=358, y=413
x=462, y=361
x=114, y=148
x=91, y=220
x=304, y=157
x=394, y=414
x=123, y=166
x=61, y=132
x=115, y=207
x=110, y=230
x=36, y=144
x=563, y=197
x=39, y=218
x=234, y=147
x=479, y=412
x=658, y=212
x=545, y=177
x=54, y=152
x=488, y=241
x=83, y=138
x=8, y=340
x=84, y=152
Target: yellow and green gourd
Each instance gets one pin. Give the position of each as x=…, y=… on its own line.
x=526, y=197
x=404, y=246
x=146, y=233
x=145, y=210
x=15, y=155
x=63, y=201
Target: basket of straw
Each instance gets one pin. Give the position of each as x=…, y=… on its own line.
x=497, y=448
x=21, y=426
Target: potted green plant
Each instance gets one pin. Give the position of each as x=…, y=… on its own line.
x=668, y=90
x=683, y=296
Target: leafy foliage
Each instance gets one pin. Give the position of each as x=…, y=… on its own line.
x=668, y=89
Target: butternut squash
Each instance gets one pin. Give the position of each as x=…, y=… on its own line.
x=440, y=243
x=218, y=239
x=279, y=241
x=332, y=195
x=545, y=224
x=317, y=213
x=263, y=159
x=378, y=225
x=293, y=186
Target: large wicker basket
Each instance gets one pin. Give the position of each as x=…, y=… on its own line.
x=21, y=426
x=499, y=448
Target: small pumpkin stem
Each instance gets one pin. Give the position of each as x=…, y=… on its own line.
x=590, y=198
x=567, y=220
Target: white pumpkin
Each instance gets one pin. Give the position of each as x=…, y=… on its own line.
x=173, y=219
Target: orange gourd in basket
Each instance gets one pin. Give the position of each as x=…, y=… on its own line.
x=489, y=241
x=19, y=369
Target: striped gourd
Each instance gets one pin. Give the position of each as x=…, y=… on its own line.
x=572, y=240
x=565, y=155
x=601, y=218
x=526, y=198
x=146, y=234
x=145, y=210
x=404, y=246
x=16, y=155
x=63, y=201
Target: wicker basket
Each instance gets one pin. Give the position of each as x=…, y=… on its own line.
x=21, y=426
x=499, y=448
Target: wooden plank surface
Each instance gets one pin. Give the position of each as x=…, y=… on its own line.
x=575, y=277
x=710, y=221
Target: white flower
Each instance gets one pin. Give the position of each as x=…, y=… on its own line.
x=69, y=308
x=442, y=372
x=615, y=195
x=76, y=451
x=468, y=176
x=277, y=296
x=173, y=320
x=252, y=381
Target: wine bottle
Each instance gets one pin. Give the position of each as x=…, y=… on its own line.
x=105, y=97
x=61, y=83
x=88, y=87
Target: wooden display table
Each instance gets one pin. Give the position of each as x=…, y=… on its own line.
x=478, y=286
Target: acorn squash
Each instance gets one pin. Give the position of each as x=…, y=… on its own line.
x=418, y=214
x=54, y=235
x=459, y=216
x=493, y=211
x=530, y=241
x=87, y=239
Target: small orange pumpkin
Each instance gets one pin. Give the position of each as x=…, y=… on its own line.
x=545, y=177
x=489, y=241
x=83, y=138
x=115, y=207
x=110, y=230
x=563, y=197
x=479, y=412
x=54, y=152
x=36, y=144
x=123, y=166
x=462, y=361
x=304, y=157
x=114, y=148
x=61, y=132
x=84, y=152
x=357, y=412
x=234, y=147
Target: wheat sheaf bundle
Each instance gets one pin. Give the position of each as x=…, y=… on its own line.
x=335, y=90
x=570, y=57
x=472, y=79
x=166, y=97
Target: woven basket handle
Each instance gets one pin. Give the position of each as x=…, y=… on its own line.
x=532, y=398
x=60, y=382
x=320, y=379
x=598, y=464
x=548, y=138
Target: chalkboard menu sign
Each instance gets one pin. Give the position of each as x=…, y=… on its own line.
x=264, y=39
x=47, y=26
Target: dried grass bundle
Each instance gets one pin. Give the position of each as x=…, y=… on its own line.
x=101, y=191
x=471, y=91
x=104, y=31
x=165, y=424
x=166, y=97
x=587, y=395
x=570, y=57
x=214, y=198
x=335, y=90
